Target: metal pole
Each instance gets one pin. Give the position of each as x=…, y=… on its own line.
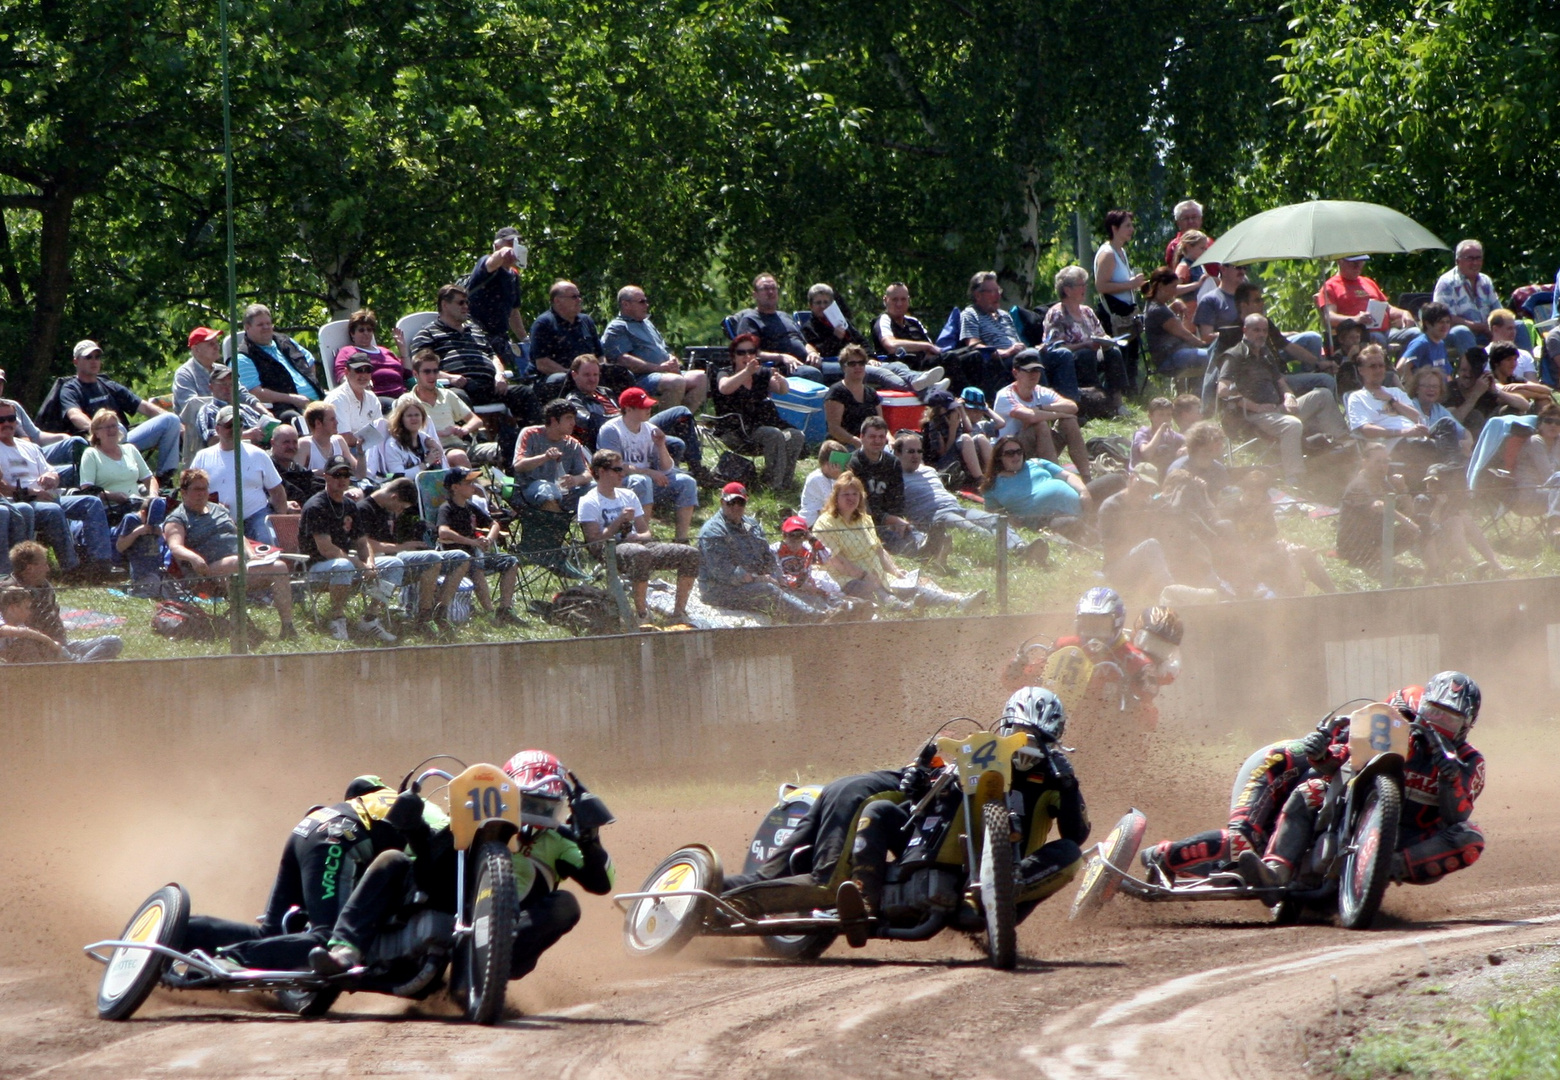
x=1002, y=563
x=240, y=589
x=615, y=587
x=1388, y=524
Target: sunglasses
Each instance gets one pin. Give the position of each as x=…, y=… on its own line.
x=747, y=352
x=613, y=468
x=855, y=363
x=1012, y=453
x=9, y=418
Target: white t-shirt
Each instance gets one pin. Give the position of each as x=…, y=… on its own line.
x=815, y=493
x=351, y=414
x=1527, y=367
x=22, y=463
x=260, y=476
x=638, y=450
x=1008, y=397
x=1361, y=408
x=597, y=508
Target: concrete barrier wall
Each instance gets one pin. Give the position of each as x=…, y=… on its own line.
x=721, y=701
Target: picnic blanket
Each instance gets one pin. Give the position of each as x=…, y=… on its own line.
x=83, y=621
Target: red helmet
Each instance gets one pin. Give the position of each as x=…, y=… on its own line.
x=544, y=788
x=1406, y=701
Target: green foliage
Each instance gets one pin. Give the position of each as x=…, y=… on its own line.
x=1513, y=1040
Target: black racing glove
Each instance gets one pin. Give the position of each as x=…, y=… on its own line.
x=406, y=813
x=914, y=781
x=1315, y=745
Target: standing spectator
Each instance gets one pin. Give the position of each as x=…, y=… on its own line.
x=1428, y=347
x=550, y=463
x=1188, y=215
x=494, y=291
x=851, y=400
x=59, y=450
x=20, y=643
x=30, y=570
x=341, y=554
x=929, y=506
x=88, y=392
x=1072, y=326
x=1347, y=295
x=900, y=334
x=253, y=419
x=450, y=418
x=1377, y=411
x=467, y=358
x=746, y=417
x=298, y=482
x=643, y=449
x=32, y=491
x=1028, y=410
x=612, y=512
x=262, y=484
x=202, y=538
x=563, y=332
x=1157, y=443
x=274, y=367
x=1469, y=297
x=737, y=569
x=1035, y=492
x=409, y=447
x=377, y=515
x=634, y=342
x=388, y=370
x=832, y=457
x=119, y=476
x=779, y=338
x=825, y=342
x=357, y=407
x=1174, y=349
x=193, y=378
x=464, y=524
x=1118, y=285
x=985, y=324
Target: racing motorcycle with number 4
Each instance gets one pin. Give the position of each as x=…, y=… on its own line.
x=957, y=870
x=1349, y=863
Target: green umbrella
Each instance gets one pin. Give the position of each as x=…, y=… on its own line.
x=1325, y=229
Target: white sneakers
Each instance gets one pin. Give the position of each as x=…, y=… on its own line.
x=372, y=628
x=926, y=378
x=338, y=629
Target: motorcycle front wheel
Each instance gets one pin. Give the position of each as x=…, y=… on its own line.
x=486, y=951
x=998, y=884
x=1368, y=865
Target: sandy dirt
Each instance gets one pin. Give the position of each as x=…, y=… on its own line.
x=1144, y=990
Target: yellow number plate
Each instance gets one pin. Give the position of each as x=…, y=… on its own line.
x=481, y=794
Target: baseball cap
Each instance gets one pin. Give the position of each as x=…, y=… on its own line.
x=794, y=523
x=1029, y=362
x=225, y=415
x=635, y=398
x=202, y=333
x=359, y=362
x=84, y=348
x=220, y=371
x=940, y=399
x=1355, y=258
x=973, y=395
x=732, y=491
x=337, y=465
x=508, y=232
x=456, y=475
x=1147, y=472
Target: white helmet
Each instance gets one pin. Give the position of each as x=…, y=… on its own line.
x=1034, y=710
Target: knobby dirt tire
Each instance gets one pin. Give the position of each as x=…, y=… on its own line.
x=1368, y=865
x=999, y=884
x=663, y=927
x=308, y=1003
x=495, y=907
x=131, y=974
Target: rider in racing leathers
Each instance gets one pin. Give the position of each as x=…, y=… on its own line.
x=552, y=847
x=1043, y=780
x=1435, y=837
x=319, y=868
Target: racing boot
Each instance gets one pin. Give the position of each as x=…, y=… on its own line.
x=1155, y=865
x=852, y=912
x=1262, y=873
x=340, y=957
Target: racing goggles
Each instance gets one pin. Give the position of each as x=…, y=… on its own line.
x=1097, y=627
x=1156, y=647
x=543, y=812
x=1448, y=722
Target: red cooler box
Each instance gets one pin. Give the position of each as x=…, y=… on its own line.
x=901, y=409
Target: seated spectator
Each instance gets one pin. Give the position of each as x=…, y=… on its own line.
x=1348, y=295
x=193, y=378
x=357, y=408
x=1360, y=517
x=899, y=334
x=565, y=331
x=1377, y=411
x=468, y=359
x=779, y=338
x=738, y=570
x=861, y=565
x=1158, y=443
x=87, y=392
x=825, y=341
x=1134, y=561
x=32, y=493
x=275, y=368
x=116, y=473
x=642, y=446
x=30, y=571
x=984, y=324
x=1348, y=338
x=1034, y=492
x=878, y=470
x=746, y=419
x=985, y=419
x=377, y=515
x=851, y=400
x=550, y=464
x=1174, y=349
x=802, y=559
x=1072, y=326
x=632, y=341
x=1469, y=297
x=1532, y=488
x=464, y=524
x=299, y=483
x=1426, y=388
x=409, y=447
x=593, y=407
x=202, y=539
x=1187, y=410
x=1428, y=347
x=1217, y=309
x=59, y=450
x=342, y=554
x=254, y=419
x=832, y=458
x=613, y=512
x=951, y=438
x=1504, y=357
x=1298, y=356
x=1449, y=531
x=262, y=484
x=1204, y=447
x=450, y=418
x=1503, y=329
x=931, y=508
x=1475, y=393
x=1251, y=382
x=20, y=643
x=325, y=441
x=1028, y=409
x=388, y=371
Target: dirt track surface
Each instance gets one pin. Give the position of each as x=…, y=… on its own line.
x=1144, y=991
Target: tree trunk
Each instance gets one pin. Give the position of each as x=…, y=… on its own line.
x=35, y=365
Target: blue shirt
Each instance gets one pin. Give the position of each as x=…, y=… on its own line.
x=637, y=336
x=249, y=377
x=1422, y=352
x=1035, y=491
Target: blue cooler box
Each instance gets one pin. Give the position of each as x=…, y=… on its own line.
x=802, y=406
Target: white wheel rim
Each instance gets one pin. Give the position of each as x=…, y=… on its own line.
x=127, y=964
x=656, y=920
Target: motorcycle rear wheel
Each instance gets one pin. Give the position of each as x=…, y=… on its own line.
x=665, y=926
x=1099, y=882
x=998, y=884
x=798, y=946
x=131, y=974
x=487, y=949
x=1368, y=864
x=307, y=1003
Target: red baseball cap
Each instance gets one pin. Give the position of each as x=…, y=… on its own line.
x=635, y=398
x=202, y=333
x=732, y=491
x=794, y=523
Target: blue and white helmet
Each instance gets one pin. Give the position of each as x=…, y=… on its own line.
x=1036, y=711
x=1101, y=617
